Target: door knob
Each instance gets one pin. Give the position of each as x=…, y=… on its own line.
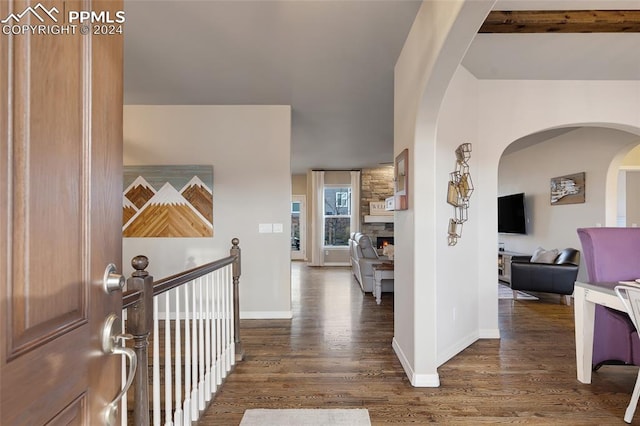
x=112, y=281
x=113, y=342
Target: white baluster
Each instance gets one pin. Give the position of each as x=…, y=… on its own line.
x=156, y=365
x=230, y=322
x=186, y=408
x=232, y=337
x=225, y=325
x=177, y=418
x=225, y=319
x=214, y=337
x=215, y=280
x=201, y=382
x=194, y=354
x=207, y=339
x=167, y=362
x=219, y=340
x=123, y=402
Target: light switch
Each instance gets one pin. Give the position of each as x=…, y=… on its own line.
x=278, y=228
x=265, y=228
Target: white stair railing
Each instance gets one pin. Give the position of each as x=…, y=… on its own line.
x=195, y=333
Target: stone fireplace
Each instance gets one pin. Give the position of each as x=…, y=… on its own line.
x=376, y=185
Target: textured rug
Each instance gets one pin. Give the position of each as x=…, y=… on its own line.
x=505, y=292
x=306, y=417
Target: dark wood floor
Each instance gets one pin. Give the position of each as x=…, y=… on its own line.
x=336, y=353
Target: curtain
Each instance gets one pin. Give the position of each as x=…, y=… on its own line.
x=317, y=235
x=355, y=201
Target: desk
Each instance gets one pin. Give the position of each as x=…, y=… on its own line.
x=381, y=271
x=586, y=296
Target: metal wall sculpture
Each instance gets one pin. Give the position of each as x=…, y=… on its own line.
x=459, y=192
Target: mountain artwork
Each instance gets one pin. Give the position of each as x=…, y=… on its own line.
x=167, y=201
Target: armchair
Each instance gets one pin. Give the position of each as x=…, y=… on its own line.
x=557, y=277
x=611, y=254
x=363, y=257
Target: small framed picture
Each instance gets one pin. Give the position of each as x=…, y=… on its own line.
x=401, y=178
x=569, y=189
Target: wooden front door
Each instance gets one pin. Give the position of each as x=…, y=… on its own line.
x=60, y=218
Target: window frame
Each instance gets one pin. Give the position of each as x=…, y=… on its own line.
x=336, y=216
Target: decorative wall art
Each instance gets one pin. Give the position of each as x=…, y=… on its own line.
x=401, y=179
x=167, y=201
x=569, y=189
x=459, y=192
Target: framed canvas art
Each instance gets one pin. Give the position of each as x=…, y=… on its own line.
x=401, y=178
x=569, y=189
x=167, y=201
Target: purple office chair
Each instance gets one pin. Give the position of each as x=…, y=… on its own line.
x=612, y=254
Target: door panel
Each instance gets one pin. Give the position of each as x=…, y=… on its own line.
x=60, y=190
x=49, y=191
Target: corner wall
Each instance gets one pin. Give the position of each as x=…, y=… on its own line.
x=249, y=148
x=439, y=37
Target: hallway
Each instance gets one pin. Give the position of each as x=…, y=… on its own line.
x=336, y=353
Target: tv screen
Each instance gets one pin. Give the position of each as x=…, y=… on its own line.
x=511, y=217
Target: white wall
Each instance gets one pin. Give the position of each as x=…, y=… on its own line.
x=633, y=198
x=430, y=126
x=249, y=148
x=588, y=149
x=629, y=206
x=632, y=159
x=457, y=267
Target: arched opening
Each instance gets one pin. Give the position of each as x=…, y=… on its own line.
x=529, y=164
x=628, y=202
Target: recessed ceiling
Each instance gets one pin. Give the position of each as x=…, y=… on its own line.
x=333, y=62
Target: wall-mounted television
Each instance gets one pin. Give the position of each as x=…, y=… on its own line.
x=511, y=214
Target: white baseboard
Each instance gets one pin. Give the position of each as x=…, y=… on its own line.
x=457, y=347
x=417, y=380
x=336, y=264
x=266, y=315
x=489, y=333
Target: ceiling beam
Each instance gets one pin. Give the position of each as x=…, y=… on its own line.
x=558, y=21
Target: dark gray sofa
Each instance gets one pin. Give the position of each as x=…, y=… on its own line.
x=557, y=277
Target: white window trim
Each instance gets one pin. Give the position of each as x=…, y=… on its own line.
x=347, y=216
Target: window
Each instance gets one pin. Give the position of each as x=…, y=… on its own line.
x=342, y=199
x=337, y=215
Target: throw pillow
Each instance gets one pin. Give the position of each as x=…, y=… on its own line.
x=544, y=256
x=388, y=251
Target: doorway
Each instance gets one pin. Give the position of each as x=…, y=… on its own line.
x=298, y=227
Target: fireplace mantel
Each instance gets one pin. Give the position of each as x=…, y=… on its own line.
x=378, y=219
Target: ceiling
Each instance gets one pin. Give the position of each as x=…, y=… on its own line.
x=333, y=61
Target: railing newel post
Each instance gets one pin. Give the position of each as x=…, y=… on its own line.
x=236, y=252
x=139, y=324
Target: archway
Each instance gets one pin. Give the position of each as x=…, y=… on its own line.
x=527, y=165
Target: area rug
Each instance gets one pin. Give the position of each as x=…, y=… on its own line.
x=306, y=417
x=505, y=292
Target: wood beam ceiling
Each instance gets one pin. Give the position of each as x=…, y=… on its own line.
x=557, y=21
